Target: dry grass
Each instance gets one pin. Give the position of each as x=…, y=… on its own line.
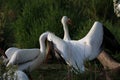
x=59, y=72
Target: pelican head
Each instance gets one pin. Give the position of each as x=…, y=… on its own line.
x=66, y=20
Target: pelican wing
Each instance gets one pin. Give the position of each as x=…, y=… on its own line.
x=23, y=56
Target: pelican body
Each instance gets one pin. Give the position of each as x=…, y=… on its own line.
x=29, y=59
x=75, y=52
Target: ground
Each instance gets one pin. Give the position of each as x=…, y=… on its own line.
x=59, y=72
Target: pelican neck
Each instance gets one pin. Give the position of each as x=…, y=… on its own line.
x=66, y=32
x=42, y=39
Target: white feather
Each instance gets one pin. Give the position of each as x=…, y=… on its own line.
x=75, y=52
x=29, y=59
x=17, y=75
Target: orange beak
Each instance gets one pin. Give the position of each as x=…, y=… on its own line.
x=69, y=21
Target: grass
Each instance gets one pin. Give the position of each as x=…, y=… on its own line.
x=49, y=74
x=56, y=71
x=22, y=22
x=59, y=72
x=6, y=72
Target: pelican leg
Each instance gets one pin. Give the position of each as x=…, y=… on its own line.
x=69, y=74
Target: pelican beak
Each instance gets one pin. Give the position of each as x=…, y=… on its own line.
x=69, y=21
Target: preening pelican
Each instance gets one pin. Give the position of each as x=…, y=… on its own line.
x=75, y=52
x=24, y=57
x=18, y=75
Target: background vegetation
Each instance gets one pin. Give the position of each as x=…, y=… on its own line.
x=22, y=21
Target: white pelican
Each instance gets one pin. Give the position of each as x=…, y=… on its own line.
x=65, y=21
x=18, y=75
x=24, y=57
x=109, y=40
x=75, y=52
